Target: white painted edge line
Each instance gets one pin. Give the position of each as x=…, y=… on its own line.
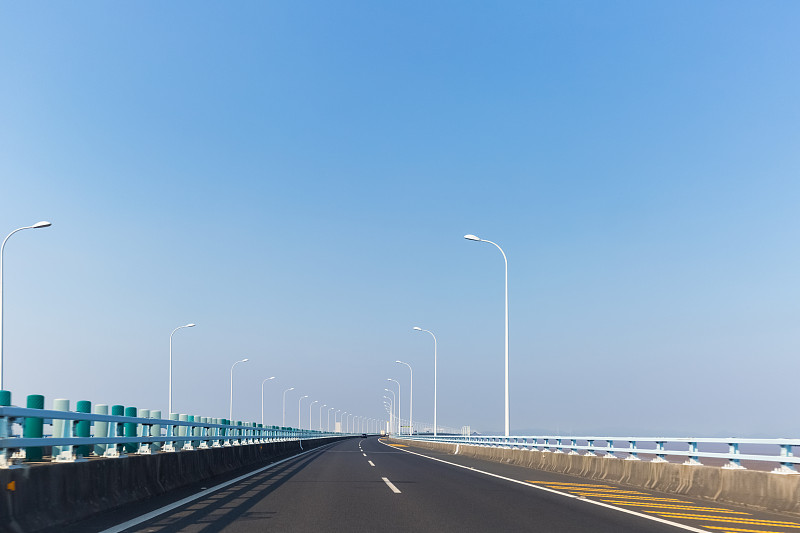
x=371, y=463
x=391, y=485
x=526, y=484
x=152, y=514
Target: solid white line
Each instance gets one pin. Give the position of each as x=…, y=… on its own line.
x=526, y=484
x=152, y=514
x=371, y=463
x=391, y=485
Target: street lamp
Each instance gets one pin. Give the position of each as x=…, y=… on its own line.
x=42, y=224
x=411, y=399
x=169, y=408
x=310, y=427
x=298, y=409
x=341, y=422
x=329, y=418
x=262, y=399
x=320, y=415
x=283, y=420
x=505, y=259
x=417, y=328
x=399, y=418
x=234, y=364
x=393, y=403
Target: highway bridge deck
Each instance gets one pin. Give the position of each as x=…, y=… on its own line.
x=368, y=485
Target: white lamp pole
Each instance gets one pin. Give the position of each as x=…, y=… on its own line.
x=169, y=408
x=329, y=418
x=320, y=414
x=411, y=399
x=300, y=401
x=394, y=407
x=434, y=374
x=341, y=422
x=42, y=224
x=399, y=418
x=262, y=399
x=234, y=364
x=283, y=420
x=391, y=410
x=474, y=238
x=310, y=426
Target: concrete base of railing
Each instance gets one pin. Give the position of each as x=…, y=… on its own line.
x=45, y=495
x=748, y=488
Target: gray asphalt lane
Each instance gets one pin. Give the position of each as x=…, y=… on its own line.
x=336, y=489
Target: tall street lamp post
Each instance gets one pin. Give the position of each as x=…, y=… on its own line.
x=283, y=420
x=42, y=224
x=231, y=409
x=399, y=418
x=435, y=364
x=262, y=399
x=411, y=399
x=300, y=401
x=169, y=407
x=505, y=259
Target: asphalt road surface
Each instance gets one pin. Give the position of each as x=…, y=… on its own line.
x=366, y=485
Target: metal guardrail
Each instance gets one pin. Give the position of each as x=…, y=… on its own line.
x=76, y=436
x=660, y=447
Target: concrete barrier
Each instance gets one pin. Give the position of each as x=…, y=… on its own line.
x=47, y=495
x=748, y=488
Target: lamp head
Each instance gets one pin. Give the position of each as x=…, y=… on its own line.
x=273, y=377
x=417, y=328
x=306, y=396
x=189, y=325
x=245, y=360
x=471, y=238
x=42, y=224
x=287, y=390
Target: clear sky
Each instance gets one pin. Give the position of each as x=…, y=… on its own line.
x=297, y=177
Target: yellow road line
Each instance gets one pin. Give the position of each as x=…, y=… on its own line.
x=735, y=530
x=570, y=484
x=733, y=520
x=681, y=507
x=643, y=498
x=400, y=445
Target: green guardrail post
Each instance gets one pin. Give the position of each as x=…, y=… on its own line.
x=155, y=431
x=130, y=430
x=194, y=430
x=32, y=428
x=5, y=427
x=83, y=428
x=101, y=429
x=175, y=431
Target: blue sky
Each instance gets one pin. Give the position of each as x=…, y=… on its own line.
x=296, y=178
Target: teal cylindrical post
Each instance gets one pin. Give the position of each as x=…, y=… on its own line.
x=144, y=429
x=183, y=430
x=83, y=428
x=174, y=431
x=61, y=429
x=155, y=430
x=100, y=429
x=32, y=428
x=5, y=398
x=118, y=428
x=194, y=431
x=130, y=430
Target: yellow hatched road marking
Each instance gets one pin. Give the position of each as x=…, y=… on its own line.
x=600, y=492
x=587, y=488
x=733, y=520
x=643, y=498
x=399, y=445
x=570, y=484
x=735, y=530
x=681, y=507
